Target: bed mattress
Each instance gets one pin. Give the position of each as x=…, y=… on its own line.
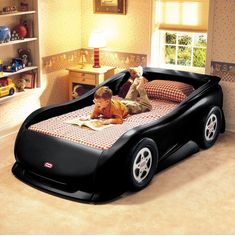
x=102, y=139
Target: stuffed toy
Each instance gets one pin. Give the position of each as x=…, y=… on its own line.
x=135, y=72
x=25, y=55
x=21, y=84
x=79, y=90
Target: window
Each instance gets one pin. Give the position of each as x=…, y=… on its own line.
x=179, y=38
x=183, y=49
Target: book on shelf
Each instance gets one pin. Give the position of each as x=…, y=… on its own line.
x=94, y=124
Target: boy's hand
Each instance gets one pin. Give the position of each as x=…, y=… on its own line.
x=106, y=122
x=112, y=121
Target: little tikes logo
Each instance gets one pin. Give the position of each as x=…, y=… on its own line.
x=48, y=165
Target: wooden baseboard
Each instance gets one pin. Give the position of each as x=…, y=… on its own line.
x=230, y=125
x=8, y=132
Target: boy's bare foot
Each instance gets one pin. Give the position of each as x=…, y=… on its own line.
x=140, y=86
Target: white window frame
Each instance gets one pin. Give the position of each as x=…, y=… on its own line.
x=154, y=58
x=157, y=55
x=192, y=47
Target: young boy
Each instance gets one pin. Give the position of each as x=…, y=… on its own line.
x=113, y=110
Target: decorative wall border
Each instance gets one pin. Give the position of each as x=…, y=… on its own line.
x=226, y=71
x=60, y=61
x=120, y=60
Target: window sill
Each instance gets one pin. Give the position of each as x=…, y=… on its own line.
x=184, y=68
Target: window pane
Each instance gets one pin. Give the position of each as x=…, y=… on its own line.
x=184, y=56
x=200, y=40
x=170, y=53
x=199, y=57
x=183, y=49
x=185, y=39
x=170, y=38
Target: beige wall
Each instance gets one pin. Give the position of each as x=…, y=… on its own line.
x=60, y=31
x=223, y=50
x=223, y=40
x=60, y=26
x=125, y=33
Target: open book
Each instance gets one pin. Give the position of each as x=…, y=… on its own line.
x=95, y=124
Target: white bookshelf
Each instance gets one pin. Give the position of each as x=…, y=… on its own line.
x=18, y=13
x=18, y=42
x=26, y=69
x=26, y=93
x=9, y=50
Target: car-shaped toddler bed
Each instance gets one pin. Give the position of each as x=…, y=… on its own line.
x=95, y=166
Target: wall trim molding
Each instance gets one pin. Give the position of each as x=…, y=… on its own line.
x=60, y=61
x=225, y=70
x=120, y=60
x=230, y=125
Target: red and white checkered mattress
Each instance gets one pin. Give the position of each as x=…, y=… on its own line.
x=105, y=138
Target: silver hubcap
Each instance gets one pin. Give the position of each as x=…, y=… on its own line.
x=142, y=164
x=211, y=127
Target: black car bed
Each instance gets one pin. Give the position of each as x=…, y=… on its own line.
x=87, y=165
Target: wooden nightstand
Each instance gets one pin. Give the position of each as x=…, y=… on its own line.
x=88, y=76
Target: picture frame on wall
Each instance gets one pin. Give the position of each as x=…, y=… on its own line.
x=110, y=6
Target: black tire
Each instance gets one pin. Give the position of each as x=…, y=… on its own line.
x=142, y=164
x=210, y=128
x=11, y=92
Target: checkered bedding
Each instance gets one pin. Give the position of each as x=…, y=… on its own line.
x=102, y=139
x=168, y=90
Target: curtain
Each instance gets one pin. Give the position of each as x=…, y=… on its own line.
x=182, y=15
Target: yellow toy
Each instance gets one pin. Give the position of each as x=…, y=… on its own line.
x=7, y=87
x=1, y=68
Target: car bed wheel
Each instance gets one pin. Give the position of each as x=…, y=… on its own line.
x=142, y=164
x=210, y=129
x=12, y=91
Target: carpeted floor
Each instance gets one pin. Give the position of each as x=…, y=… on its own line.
x=195, y=196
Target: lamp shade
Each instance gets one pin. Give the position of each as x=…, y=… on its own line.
x=97, y=40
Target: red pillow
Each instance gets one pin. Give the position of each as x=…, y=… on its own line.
x=168, y=90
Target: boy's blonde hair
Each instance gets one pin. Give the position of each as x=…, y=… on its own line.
x=103, y=92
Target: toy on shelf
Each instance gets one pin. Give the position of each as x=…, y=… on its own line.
x=8, y=10
x=25, y=55
x=30, y=79
x=26, y=81
x=5, y=34
x=15, y=65
x=1, y=68
x=28, y=24
x=19, y=32
x=24, y=5
x=21, y=84
x=7, y=87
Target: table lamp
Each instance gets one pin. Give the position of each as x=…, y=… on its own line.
x=97, y=41
x=82, y=59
